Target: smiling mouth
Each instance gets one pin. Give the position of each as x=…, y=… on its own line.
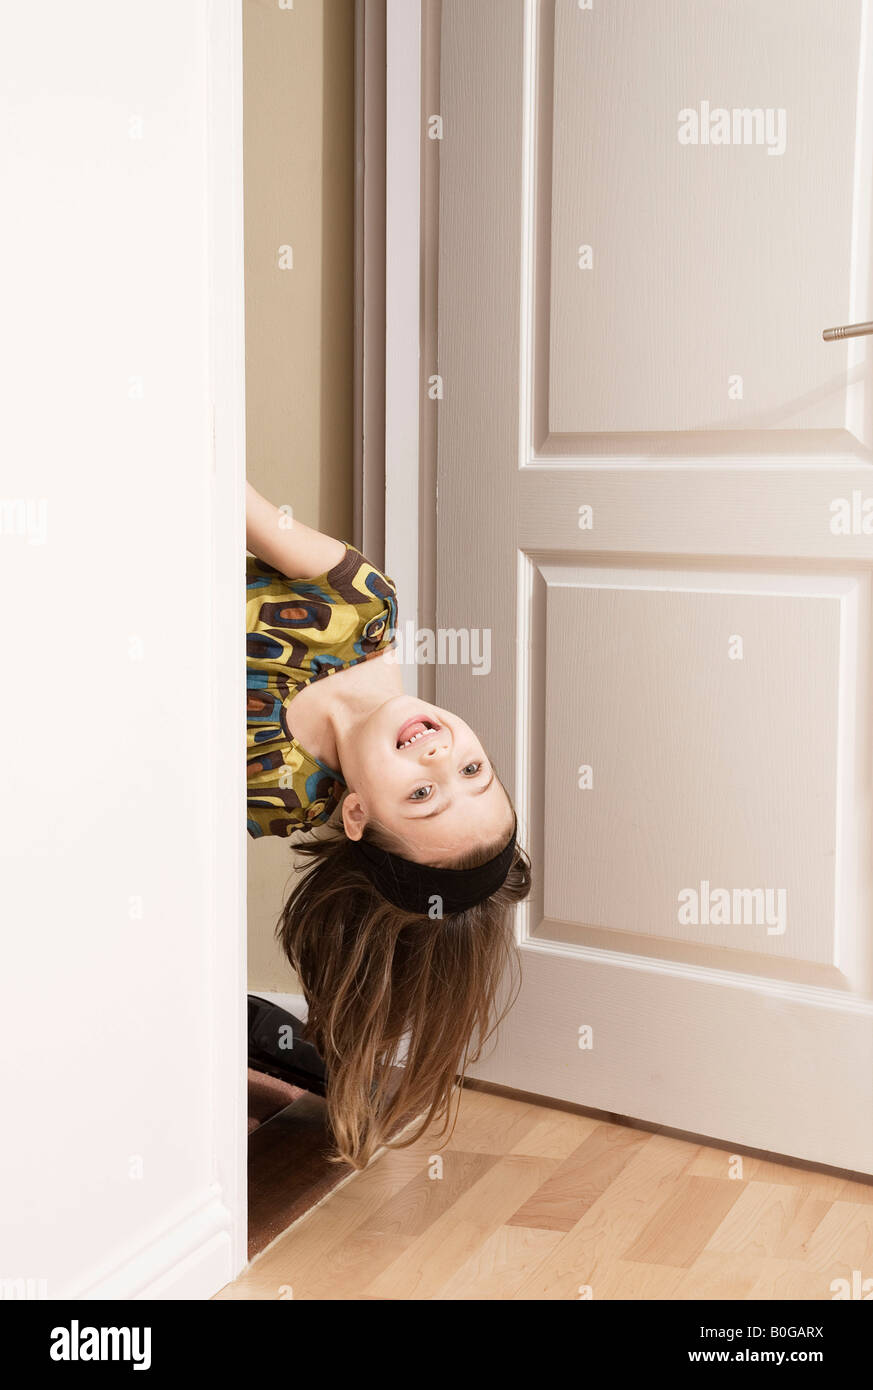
x=415, y=729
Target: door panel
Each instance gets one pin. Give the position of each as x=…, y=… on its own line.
x=709, y=261
x=670, y=736
x=677, y=579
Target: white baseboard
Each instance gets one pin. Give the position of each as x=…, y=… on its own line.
x=192, y=1259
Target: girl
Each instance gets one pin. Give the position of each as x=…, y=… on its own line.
x=398, y=926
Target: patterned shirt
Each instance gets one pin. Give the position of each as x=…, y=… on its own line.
x=299, y=631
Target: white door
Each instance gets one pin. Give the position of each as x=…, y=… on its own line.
x=655, y=488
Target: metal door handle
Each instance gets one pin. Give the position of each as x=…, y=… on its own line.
x=849, y=330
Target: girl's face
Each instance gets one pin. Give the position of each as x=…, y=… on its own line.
x=423, y=774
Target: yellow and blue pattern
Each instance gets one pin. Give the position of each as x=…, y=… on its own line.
x=299, y=631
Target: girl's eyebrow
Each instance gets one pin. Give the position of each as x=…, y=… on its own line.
x=439, y=810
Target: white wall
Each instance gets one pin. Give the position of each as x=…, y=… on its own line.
x=121, y=704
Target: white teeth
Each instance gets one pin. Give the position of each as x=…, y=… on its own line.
x=409, y=742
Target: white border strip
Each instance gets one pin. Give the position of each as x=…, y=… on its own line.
x=403, y=307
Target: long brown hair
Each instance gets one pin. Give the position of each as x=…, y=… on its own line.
x=375, y=976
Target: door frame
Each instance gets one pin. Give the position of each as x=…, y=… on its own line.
x=228, y=980
x=403, y=24
x=228, y=966
x=397, y=67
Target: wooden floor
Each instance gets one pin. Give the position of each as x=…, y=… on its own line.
x=532, y=1202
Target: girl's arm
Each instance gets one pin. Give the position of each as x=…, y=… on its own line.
x=293, y=549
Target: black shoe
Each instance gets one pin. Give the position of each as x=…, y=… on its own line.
x=276, y=1047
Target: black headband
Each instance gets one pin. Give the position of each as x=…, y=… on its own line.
x=414, y=886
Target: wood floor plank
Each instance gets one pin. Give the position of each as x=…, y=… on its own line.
x=856, y=1191
x=759, y=1221
x=498, y=1268
x=788, y=1279
x=719, y=1274
x=417, y=1205
x=719, y=1163
x=809, y=1216
x=583, y=1176
x=489, y=1123
x=464, y=1227
x=680, y=1230
x=349, y=1268
x=623, y=1279
x=556, y=1134
x=843, y=1240
x=604, y=1233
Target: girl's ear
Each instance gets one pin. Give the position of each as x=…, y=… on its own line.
x=354, y=817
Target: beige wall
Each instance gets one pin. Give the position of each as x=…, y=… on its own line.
x=299, y=192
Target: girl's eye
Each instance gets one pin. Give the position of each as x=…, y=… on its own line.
x=471, y=769
x=420, y=793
